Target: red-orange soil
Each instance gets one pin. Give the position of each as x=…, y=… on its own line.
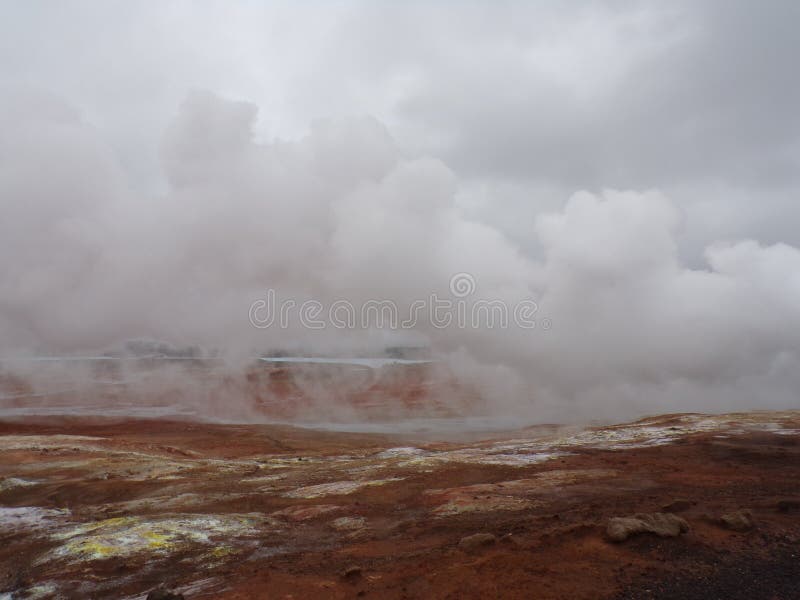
x=98, y=508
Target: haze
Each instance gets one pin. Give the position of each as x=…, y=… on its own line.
x=632, y=167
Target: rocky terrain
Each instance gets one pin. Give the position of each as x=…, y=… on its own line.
x=676, y=506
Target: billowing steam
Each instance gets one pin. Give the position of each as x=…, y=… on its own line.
x=87, y=263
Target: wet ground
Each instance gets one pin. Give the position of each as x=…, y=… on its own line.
x=103, y=508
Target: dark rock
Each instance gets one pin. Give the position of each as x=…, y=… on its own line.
x=788, y=505
x=353, y=572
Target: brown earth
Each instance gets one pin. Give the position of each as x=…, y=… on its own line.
x=102, y=508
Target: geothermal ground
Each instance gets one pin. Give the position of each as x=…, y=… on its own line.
x=102, y=508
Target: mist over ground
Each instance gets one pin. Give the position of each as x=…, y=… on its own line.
x=630, y=168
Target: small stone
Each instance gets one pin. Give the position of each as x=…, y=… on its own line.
x=352, y=572
x=661, y=524
x=740, y=520
x=348, y=523
x=476, y=540
x=788, y=505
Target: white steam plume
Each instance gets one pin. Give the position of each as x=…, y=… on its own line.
x=86, y=263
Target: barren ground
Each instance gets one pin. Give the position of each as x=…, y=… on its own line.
x=101, y=508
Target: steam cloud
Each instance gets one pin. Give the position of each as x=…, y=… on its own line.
x=87, y=262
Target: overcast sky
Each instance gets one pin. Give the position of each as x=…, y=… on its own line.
x=525, y=101
x=150, y=148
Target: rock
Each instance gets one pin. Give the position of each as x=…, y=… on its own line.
x=476, y=540
x=740, y=520
x=788, y=505
x=352, y=572
x=164, y=594
x=661, y=524
x=348, y=523
x=679, y=505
